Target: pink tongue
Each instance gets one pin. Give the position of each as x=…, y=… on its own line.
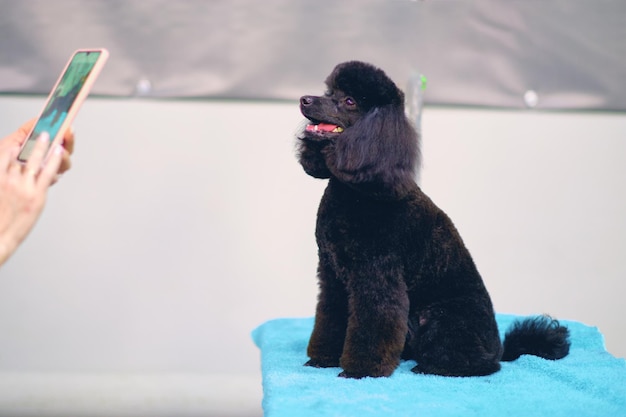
x=324, y=127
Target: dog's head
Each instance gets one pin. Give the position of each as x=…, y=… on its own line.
x=353, y=89
x=358, y=132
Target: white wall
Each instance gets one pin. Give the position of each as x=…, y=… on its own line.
x=540, y=201
x=183, y=225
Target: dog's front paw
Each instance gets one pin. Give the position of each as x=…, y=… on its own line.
x=358, y=366
x=360, y=375
x=364, y=369
x=322, y=363
x=346, y=374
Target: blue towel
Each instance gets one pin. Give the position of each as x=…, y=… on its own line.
x=588, y=382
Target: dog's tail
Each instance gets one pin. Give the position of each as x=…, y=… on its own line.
x=540, y=336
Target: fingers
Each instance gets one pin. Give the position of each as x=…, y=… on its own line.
x=16, y=138
x=48, y=173
x=26, y=128
x=68, y=140
x=39, y=172
x=35, y=161
x=7, y=157
x=40, y=169
x=66, y=162
x=68, y=145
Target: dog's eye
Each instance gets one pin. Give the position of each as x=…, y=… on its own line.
x=349, y=101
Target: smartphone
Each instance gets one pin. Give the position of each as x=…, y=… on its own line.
x=66, y=97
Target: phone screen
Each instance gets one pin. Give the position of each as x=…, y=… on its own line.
x=62, y=99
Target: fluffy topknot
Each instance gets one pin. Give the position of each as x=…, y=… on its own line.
x=368, y=85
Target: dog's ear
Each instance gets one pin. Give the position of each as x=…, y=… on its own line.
x=378, y=154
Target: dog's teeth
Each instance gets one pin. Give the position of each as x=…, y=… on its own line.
x=316, y=128
x=338, y=129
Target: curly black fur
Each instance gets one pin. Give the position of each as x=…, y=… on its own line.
x=540, y=336
x=396, y=280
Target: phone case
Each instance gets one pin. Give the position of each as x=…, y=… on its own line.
x=55, y=103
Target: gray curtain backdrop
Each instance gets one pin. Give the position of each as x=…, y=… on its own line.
x=548, y=54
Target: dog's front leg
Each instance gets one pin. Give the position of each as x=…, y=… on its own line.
x=331, y=318
x=377, y=324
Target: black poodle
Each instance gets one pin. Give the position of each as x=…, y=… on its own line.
x=396, y=280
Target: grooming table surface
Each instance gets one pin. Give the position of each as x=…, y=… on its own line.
x=588, y=382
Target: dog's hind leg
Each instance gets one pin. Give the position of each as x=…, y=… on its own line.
x=331, y=318
x=458, y=337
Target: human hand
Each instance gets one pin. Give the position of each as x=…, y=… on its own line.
x=23, y=190
x=17, y=139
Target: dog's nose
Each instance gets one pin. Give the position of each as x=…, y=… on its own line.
x=306, y=100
